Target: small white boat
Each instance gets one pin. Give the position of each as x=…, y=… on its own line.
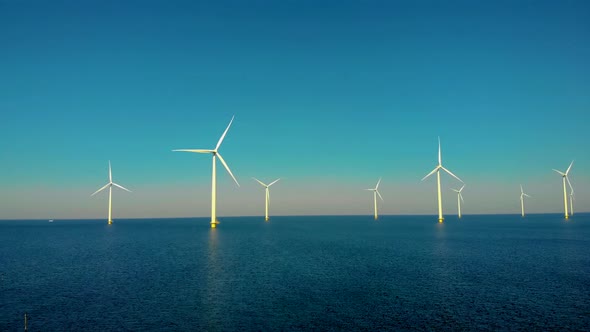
x=50, y=220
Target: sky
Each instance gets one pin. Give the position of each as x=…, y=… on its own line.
x=329, y=96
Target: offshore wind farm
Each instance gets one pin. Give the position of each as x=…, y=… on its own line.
x=322, y=103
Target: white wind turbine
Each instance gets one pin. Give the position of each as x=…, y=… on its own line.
x=522, y=195
x=459, y=199
x=215, y=154
x=110, y=186
x=267, y=195
x=565, y=178
x=375, y=193
x=437, y=171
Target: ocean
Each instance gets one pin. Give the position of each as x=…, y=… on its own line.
x=327, y=273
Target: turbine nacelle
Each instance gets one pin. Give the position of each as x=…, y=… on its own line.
x=376, y=189
x=111, y=183
x=459, y=192
x=266, y=185
x=215, y=152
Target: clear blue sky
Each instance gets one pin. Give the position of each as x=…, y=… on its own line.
x=329, y=95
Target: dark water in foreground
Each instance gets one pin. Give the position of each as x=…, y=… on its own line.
x=295, y=273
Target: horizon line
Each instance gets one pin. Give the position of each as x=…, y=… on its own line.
x=298, y=215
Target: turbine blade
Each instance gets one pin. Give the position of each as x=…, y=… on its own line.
x=377, y=191
x=450, y=173
x=439, y=155
x=521, y=191
x=429, y=174
x=110, y=173
x=569, y=183
x=227, y=168
x=223, y=136
x=526, y=195
x=194, y=150
x=117, y=185
x=460, y=190
x=377, y=186
x=455, y=190
x=259, y=181
x=461, y=196
x=560, y=173
x=275, y=181
x=568, y=169
x=101, y=189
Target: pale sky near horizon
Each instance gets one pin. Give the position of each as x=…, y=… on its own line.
x=327, y=95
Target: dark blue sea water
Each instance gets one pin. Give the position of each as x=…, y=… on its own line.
x=297, y=273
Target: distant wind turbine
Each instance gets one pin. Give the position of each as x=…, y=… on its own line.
x=565, y=177
x=215, y=154
x=375, y=193
x=267, y=195
x=522, y=195
x=459, y=199
x=110, y=186
x=437, y=171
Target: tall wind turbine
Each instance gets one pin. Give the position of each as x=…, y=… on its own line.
x=375, y=193
x=522, y=195
x=459, y=199
x=215, y=154
x=267, y=195
x=437, y=171
x=565, y=177
x=110, y=186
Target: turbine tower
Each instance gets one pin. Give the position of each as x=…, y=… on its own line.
x=375, y=193
x=565, y=178
x=437, y=171
x=267, y=195
x=459, y=199
x=110, y=186
x=216, y=155
x=572, y=198
x=522, y=195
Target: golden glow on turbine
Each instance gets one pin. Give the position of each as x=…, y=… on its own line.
x=375, y=193
x=215, y=154
x=565, y=178
x=110, y=186
x=437, y=171
x=266, y=189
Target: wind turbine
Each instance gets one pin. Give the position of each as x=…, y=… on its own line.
x=375, y=193
x=215, y=154
x=565, y=177
x=267, y=195
x=110, y=186
x=437, y=171
x=459, y=199
x=522, y=195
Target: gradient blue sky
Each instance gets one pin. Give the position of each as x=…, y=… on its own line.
x=329, y=95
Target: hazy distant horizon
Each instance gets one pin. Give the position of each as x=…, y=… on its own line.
x=369, y=216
